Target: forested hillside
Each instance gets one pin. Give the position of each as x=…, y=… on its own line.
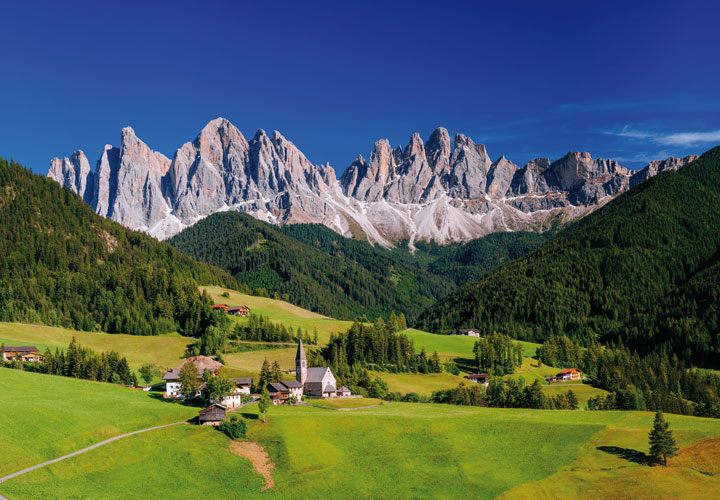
x=331, y=275
x=64, y=265
x=466, y=262
x=642, y=271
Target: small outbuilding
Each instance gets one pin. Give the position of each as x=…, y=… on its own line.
x=478, y=378
x=212, y=415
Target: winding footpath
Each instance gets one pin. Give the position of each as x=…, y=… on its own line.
x=84, y=450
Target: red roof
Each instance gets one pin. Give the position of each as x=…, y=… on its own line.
x=570, y=370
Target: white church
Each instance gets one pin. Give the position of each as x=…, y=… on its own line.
x=315, y=382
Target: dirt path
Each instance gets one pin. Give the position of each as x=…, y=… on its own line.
x=259, y=458
x=84, y=450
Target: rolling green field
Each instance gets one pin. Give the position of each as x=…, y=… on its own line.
x=280, y=312
x=164, y=350
x=44, y=416
x=398, y=450
x=455, y=345
x=424, y=385
x=345, y=403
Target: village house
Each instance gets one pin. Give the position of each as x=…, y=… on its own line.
x=242, y=311
x=28, y=353
x=202, y=363
x=241, y=389
x=470, y=332
x=479, y=378
x=569, y=374
x=565, y=375
x=216, y=307
x=212, y=415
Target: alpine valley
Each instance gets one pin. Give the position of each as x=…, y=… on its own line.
x=441, y=190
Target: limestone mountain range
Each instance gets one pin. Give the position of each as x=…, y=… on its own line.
x=439, y=190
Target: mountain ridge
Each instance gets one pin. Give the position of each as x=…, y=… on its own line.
x=432, y=191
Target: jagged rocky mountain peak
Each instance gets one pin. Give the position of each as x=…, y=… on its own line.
x=438, y=190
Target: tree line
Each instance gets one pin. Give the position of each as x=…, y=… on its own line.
x=633, y=381
x=83, y=363
x=511, y=393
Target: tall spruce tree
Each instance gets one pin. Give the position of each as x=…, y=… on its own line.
x=662, y=441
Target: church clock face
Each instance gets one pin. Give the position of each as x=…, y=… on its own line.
x=303, y=364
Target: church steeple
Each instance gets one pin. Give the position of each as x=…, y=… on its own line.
x=301, y=364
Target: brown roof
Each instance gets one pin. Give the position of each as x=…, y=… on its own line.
x=20, y=348
x=238, y=308
x=465, y=330
x=477, y=375
x=212, y=407
x=172, y=375
x=293, y=384
x=243, y=381
x=203, y=363
x=277, y=387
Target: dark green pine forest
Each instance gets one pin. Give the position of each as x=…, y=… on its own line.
x=643, y=272
x=329, y=274
x=318, y=269
x=61, y=264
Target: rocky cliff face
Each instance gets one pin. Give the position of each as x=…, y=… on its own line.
x=430, y=190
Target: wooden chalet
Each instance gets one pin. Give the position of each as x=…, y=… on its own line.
x=470, y=332
x=479, y=378
x=212, y=415
x=27, y=353
x=565, y=375
x=242, y=311
x=279, y=393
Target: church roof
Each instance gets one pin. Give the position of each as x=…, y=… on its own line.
x=300, y=356
x=316, y=374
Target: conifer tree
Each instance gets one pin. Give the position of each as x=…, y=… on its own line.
x=572, y=400
x=189, y=378
x=265, y=375
x=276, y=372
x=264, y=403
x=662, y=441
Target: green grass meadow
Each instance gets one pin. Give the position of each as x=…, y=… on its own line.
x=44, y=416
x=280, y=312
x=397, y=450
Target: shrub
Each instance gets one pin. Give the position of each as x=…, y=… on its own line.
x=235, y=428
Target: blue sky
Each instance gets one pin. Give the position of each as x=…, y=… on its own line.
x=630, y=80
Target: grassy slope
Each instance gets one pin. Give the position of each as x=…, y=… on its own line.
x=353, y=403
x=608, y=468
x=393, y=451
x=281, y=312
x=164, y=350
x=44, y=416
x=423, y=385
x=454, y=345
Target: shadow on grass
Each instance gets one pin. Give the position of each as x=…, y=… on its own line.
x=628, y=454
x=466, y=364
x=249, y=416
x=195, y=403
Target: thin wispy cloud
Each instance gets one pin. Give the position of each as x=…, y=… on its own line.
x=675, y=139
x=689, y=138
